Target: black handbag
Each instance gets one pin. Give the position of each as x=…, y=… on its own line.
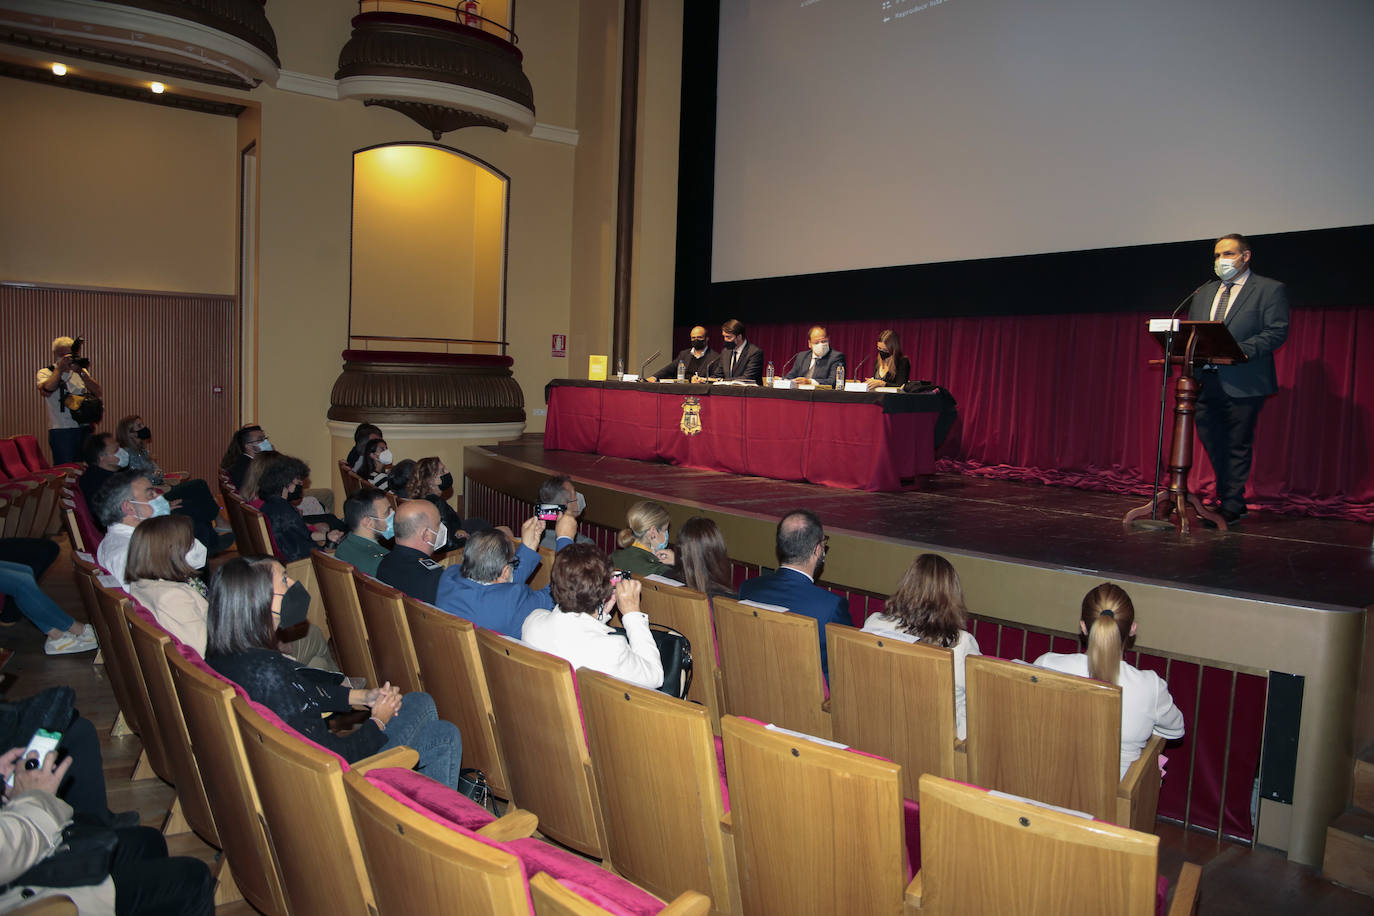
x=472, y=783
x=675, y=651
x=82, y=860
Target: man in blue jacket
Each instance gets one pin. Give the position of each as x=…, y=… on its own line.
x=485, y=590
x=801, y=552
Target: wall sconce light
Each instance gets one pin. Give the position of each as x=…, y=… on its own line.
x=158, y=88
x=59, y=69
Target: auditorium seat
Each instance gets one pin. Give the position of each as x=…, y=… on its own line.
x=451, y=672
x=205, y=705
x=540, y=579
x=771, y=666
x=352, y=483
x=300, y=789
x=91, y=534
x=35, y=460
x=895, y=699
x=539, y=729
x=233, y=509
x=388, y=634
x=261, y=541
x=1056, y=738
x=989, y=854
x=817, y=828
x=345, y=616
x=121, y=662
x=660, y=784
x=574, y=897
x=689, y=612
x=191, y=808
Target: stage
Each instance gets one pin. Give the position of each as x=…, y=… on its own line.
x=1259, y=631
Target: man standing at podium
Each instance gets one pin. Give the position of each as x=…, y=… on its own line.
x=1255, y=311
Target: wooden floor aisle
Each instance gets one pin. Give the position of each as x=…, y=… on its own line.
x=1235, y=879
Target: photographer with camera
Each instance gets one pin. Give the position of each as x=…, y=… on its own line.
x=73, y=399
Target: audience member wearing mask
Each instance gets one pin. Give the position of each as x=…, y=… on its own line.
x=489, y=588
x=419, y=535
x=377, y=461
x=279, y=486
x=103, y=457
x=247, y=443
x=369, y=517
x=818, y=362
x=248, y=605
x=577, y=628
x=559, y=491
x=191, y=498
x=122, y=503
x=430, y=480
x=362, y=434
x=696, y=358
x=643, y=544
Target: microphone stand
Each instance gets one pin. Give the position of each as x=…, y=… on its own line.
x=644, y=365
x=1164, y=395
x=856, y=376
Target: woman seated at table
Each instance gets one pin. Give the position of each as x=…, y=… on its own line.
x=576, y=629
x=705, y=565
x=892, y=369
x=428, y=481
x=928, y=607
x=644, y=544
x=250, y=598
x=1106, y=624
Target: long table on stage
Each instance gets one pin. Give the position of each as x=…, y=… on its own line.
x=856, y=440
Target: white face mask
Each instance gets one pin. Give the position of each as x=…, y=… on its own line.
x=197, y=555
x=385, y=456
x=122, y=455
x=440, y=538
x=820, y=349
x=1226, y=268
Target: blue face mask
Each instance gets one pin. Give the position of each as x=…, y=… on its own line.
x=390, y=530
x=160, y=506
x=662, y=545
x=123, y=456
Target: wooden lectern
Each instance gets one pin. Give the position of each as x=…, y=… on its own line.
x=1194, y=344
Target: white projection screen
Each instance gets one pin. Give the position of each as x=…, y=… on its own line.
x=869, y=133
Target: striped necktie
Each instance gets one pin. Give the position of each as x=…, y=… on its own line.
x=1224, y=303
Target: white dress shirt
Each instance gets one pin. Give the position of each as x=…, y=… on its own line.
x=1146, y=706
x=1236, y=282
x=587, y=643
x=113, y=552
x=890, y=627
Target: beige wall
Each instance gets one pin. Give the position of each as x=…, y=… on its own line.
x=562, y=202
x=115, y=193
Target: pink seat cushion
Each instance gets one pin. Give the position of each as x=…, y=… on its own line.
x=1161, y=896
x=434, y=800
x=608, y=890
x=720, y=765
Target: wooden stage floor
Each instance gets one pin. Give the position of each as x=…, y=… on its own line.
x=1301, y=561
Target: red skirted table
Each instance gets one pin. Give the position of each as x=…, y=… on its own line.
x=856, y=440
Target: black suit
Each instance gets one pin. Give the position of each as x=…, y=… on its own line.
x=1231, y=397
x=412, y=572
x=696, y=365
x=824, y=367
x=743, y=362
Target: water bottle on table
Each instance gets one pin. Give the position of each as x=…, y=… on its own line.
x=839, y=377
x=682, y=370
x=768, y=376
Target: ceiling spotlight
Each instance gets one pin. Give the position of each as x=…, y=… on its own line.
x=158, y=88
x=59, y=69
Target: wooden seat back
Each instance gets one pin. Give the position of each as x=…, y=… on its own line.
x=418, y=865
x=817, y=829
x=119, y=652
x=451, y=671
x=72, y=527
x=1049, y=736
x=662, y=810
x=300, y=788
x=771, y=666
x=233, y=508
x=352, y=483
x=87, y=571
x=689, y=612
x=538, y=726
x=985, y=854
x=551, y=898
x=150, y=646
x=346, y=625
x=540, y=579
x=205, y=706
x=894, y=699
x=384, y=615
x=259, y=533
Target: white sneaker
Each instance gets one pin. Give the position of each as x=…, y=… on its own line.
x=69, y=644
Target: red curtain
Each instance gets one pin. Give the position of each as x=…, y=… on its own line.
x=1071, y=400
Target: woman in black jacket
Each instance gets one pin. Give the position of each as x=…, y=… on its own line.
x=893, y=369
x=250, y=598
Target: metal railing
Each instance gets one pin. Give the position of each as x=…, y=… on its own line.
x=463, y=13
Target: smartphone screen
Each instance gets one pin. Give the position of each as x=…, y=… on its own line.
x=43, y=742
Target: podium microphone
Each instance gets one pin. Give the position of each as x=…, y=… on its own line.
x=855, y=375
x=1164, y=392
x=644, y=365
x=788, y=365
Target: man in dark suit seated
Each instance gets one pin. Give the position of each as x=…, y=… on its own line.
x=801, y=553
x=739, y=359
x=419, y=534
x=818, y=362
x=697, y=358
x=1255, y=311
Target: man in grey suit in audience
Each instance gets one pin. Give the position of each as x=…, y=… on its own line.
x=1255, y=311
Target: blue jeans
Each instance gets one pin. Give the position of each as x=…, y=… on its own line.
x=438, y=743
x=17, y=581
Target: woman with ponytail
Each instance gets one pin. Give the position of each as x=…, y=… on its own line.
x=1107, y=624
x=643, y=544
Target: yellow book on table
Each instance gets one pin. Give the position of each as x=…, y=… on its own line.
x=596, y=368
